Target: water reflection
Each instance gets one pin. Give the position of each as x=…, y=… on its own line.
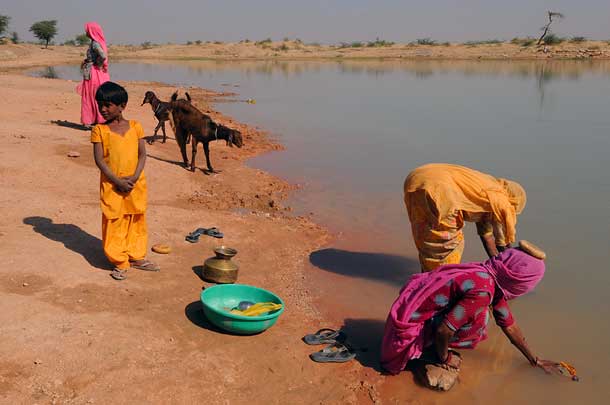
x=48, y=73
x=418, y=68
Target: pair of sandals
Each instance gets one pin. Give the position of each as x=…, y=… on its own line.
x=145, y=265
x=337, y=351
x=193, y=237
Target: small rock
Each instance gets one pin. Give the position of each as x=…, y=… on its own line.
x=25, y=284
x=37, y=361
x=73, y=154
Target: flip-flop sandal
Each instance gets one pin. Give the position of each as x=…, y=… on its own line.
x=146, y=265
x=214, y=232
x=118, y=274
x=193, y=237
x=333, y=353
x=324, y=336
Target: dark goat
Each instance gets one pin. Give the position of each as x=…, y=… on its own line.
x=161, y=109
x=188, y=121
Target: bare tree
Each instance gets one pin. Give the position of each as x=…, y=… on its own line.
x=545, y=29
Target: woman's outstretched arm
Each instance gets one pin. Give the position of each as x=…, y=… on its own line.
x=515, y=335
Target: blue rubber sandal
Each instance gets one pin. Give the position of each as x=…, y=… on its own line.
x=333, y=353
x=324, y=336
x=193, y=237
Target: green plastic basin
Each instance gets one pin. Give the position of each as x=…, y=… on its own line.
x=220, y=299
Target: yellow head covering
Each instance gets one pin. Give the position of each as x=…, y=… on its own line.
x=516, y=194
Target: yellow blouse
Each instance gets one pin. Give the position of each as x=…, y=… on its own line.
x=121, y=156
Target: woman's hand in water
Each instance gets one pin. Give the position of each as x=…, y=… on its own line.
x=549, y=366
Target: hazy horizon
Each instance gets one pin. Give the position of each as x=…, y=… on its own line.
x=157, y=21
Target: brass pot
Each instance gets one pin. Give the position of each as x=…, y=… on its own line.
x=220, y=269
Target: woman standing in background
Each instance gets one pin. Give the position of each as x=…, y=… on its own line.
x=95, y=73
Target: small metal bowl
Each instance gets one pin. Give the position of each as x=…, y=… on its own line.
x=224, y=252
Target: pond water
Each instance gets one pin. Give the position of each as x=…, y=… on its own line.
x=353, y=130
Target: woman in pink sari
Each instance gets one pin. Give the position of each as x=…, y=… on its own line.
x=449, y=308
x=95, y=72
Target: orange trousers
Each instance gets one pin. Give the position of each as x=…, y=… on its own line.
x=124, y=239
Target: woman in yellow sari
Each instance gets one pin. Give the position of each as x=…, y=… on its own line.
x=441, y=197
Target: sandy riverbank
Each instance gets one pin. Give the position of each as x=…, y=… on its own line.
x=71, y=334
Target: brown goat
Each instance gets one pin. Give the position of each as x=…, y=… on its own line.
x=189, y=122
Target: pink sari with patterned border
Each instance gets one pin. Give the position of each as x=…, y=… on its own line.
x=514, y=272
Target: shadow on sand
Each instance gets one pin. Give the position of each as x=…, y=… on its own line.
x=385, y=268
x=194, y=313
x=73, y=238
x=73, y=125
x=173, y=162
x=365, y=335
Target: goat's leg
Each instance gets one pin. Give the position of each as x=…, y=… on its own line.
x=206, y=150
x=162, y=123
x=180, y=139
x=194, y=152
x=154, y=137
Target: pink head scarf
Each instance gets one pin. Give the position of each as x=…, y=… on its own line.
x=95, y=32
x=514, y=271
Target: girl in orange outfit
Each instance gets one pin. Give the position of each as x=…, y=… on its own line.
x=441, y=197
x=120, y=153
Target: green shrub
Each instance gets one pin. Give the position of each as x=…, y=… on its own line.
x=527, y=41
x=378, y=43
x=552, y=39
x=4, y=21
x=283, y=47
x=198, y=42
x=425, y=41
x=267, y=41
x=82, y=39
x=189, y=42
x=578, y=39
x=146, y=45
x=485, y=42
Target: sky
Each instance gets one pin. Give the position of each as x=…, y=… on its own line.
x=324, y=21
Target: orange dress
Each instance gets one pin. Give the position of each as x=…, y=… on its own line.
x=124, y=233
x=441, y=197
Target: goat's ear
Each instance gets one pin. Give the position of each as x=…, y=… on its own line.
x=188, y=96
x=175, y=96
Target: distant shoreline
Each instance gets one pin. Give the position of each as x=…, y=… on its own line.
x=15, y=56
